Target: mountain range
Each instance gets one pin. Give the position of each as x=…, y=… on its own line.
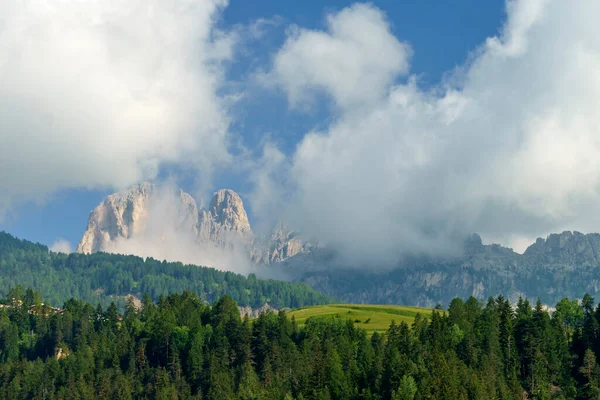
x=565, y=264
x=224, y=224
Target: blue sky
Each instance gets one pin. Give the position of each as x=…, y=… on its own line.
x=399, y=125
x=442, y=34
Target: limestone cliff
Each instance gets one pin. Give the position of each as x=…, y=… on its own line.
x=225, y=221
x=281, y=245
x=569, y=249
x=565, y=264
x=119, y=215
x=146, y=207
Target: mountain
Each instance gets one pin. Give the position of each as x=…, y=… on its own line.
x=562, y=265
x=279, y=246
x=225, y=219
x=119, y=215
x=565, y=264
x=147, y=209
x=566, y=250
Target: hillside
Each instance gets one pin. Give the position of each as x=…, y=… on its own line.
x=102, y=278
x=372, y=318
x=562, y=265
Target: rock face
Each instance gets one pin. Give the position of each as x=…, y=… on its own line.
x=225, y=223
x=128, y=214
x=255, y=312
x=562, y=265
x=281, y=245
x=119, y=215
x=565, y=264
x=569, y=249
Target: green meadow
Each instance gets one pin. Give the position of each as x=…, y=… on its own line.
x=373, y=318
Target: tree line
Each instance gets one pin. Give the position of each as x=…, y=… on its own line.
x=180, y=348
x=104, y=278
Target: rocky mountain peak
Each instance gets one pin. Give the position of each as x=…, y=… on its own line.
x=121, y=214
x=141, y=191
x=147, y=209
x=280, y=245
x=566, y=248
x=568, y=239
x=473, y=243
x=227, y=210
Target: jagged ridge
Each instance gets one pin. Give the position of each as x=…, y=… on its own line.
x=225, y=222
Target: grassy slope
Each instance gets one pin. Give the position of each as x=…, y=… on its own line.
x=381, y=315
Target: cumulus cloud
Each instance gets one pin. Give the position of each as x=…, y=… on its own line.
x=104, y=93
x=355, y=60
x=267, y=194
x=508, y=146
x=62, y=246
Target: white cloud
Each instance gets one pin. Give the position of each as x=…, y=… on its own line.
x=267, y=193
x=177, y=247
x=103, y=93
x=355, y=60
x=509, y=147
x=62, y=246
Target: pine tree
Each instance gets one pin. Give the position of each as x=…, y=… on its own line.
x=249, y=384
x=589, y=370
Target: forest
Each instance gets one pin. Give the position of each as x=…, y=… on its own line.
x=104, y=278
x=180, y=348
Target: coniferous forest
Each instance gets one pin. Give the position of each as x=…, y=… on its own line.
x=181, y=348
x=104, y=278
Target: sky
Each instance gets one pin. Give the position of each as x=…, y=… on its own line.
x=399, y=125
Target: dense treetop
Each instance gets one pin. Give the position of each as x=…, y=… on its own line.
x=183, y=348
x=102, y=278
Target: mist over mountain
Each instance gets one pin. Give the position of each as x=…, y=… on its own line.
x=499, y=144
x=562, y=265
x=164, y=222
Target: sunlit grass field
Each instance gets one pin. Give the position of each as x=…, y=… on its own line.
x=373, y=318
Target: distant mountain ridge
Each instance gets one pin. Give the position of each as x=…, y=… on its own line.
x=562, y=264
x=567, y=249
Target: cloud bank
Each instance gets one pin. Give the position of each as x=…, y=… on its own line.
x=61, y=246
x=105, y=94
x=507, y=146
x=102, y=94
